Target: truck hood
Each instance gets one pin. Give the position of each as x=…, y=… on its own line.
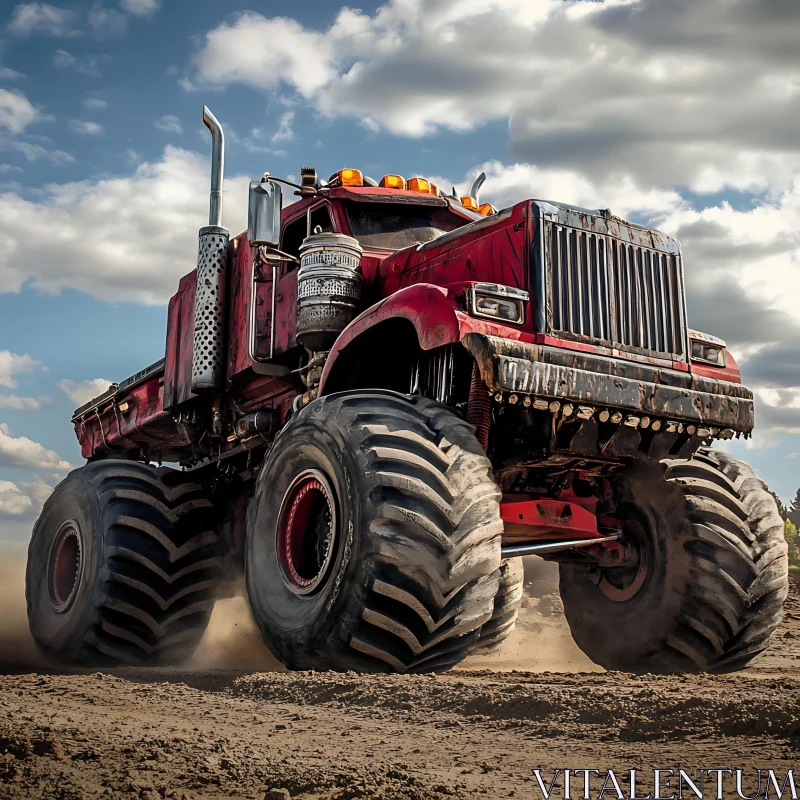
x=415, y=256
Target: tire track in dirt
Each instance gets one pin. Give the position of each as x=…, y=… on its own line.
x=150, y=734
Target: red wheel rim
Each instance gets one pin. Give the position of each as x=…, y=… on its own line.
x=307, y=533
x=66, y=566
x=622, y=584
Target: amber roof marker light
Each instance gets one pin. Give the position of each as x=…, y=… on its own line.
x=347, y=177
x=420, y=185
x=393, y=182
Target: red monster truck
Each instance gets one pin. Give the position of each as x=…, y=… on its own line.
x=380, y=397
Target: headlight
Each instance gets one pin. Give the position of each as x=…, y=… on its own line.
x=707, y=348
x=504, y=303
x=707, y=352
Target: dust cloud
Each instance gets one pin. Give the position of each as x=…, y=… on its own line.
x=16, y=643
x=232, y=640
x=540, y=643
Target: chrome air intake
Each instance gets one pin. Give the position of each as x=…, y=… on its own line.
x=208, y=353
x=328, y=288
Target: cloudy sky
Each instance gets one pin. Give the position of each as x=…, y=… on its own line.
x=684, y=115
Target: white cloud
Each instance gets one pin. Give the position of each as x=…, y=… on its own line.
x=33, y=151
x=506, y=185
x=144, y=230
x=107, y=21
x=263, y=52
x=16, y=111
x=85, y=127
x=169, y=123
x=660, y=90
x=13, y=502
x=38, y=490
x=256, y=140
x=85, y=65
x=757, y=248
x=24, y=500
x=12, y=364
x=81, y=392
x=284, y=132
x=63, y=59
x=42, y=18
x=23, y=452
x=8, y=74
x=141, y=8
x=22, y=403
x=95, y=103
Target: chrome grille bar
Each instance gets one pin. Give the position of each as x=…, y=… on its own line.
x=614, y=292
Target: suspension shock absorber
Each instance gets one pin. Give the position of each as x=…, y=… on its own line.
x=479, y=407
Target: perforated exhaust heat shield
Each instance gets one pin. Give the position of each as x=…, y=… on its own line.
x=208, y=356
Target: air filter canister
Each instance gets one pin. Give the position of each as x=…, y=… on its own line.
x=328, y=288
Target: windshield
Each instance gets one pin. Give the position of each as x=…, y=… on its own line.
x=392, y=226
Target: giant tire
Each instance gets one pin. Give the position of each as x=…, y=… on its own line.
x=717, y=577
x=123, y=567
x=408, y=516
x=507, y=603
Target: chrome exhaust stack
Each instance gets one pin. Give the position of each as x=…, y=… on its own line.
x=217, y=166
x=208, y=352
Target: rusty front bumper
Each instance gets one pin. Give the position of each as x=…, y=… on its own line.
x=537, y=371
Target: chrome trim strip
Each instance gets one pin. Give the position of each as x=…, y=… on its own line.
x=533, y=548
x=499, y=290
x=706, y=338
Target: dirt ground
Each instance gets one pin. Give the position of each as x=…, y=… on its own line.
x=232, y=724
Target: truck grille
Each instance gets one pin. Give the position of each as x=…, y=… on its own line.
x=624, y=294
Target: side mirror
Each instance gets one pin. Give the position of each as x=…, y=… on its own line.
x=264, y=213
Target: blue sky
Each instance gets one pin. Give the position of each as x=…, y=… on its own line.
x=137, y=74
x=628, y=104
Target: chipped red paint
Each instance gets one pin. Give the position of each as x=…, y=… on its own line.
x=494, y=252
x=585, y=347
x=140, y=420
x=180, y=337
x=240, y=299
x=730, y=372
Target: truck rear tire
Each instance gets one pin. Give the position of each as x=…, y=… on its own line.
x=373, y=537
x=712, y=573
x=507, y=603
x=123, y=567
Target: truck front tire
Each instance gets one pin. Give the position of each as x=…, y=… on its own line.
x=123, y=567
x=373, y=537
x=708, y=588
x=507, y=603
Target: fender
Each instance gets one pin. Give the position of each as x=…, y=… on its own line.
x=431, y=309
